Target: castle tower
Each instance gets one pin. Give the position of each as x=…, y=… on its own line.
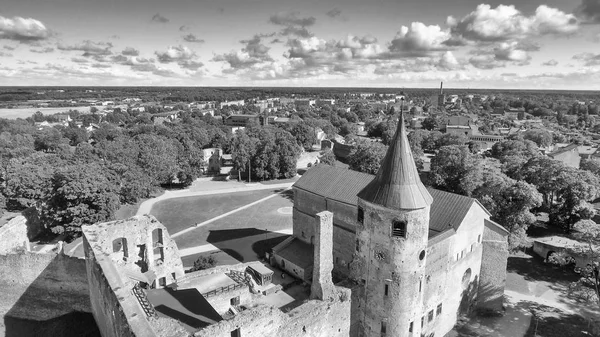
x=391, y=240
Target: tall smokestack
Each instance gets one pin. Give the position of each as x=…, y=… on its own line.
x=441, y=88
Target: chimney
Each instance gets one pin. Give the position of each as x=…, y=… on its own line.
x=441, y=88
x=322, y=287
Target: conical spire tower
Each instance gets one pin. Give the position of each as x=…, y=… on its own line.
x=397, y=184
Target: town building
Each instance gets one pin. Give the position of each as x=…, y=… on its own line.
x=569, y=155
x=242, y=120
x=231, y=103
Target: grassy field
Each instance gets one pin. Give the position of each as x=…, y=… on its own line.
x=181, y=213
x=264, y=216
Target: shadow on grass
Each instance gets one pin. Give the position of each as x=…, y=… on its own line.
x=552, y=322
x=245, y=244
x=533, y=268
x=74, y=324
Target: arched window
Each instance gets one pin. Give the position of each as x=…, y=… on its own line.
x=399, y=228
x=466, y=278
x=120, y=246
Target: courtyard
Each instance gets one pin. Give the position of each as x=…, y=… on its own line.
x=232, y=227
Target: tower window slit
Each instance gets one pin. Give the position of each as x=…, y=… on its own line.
x=399, y=228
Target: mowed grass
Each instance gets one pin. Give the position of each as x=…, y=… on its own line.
x=180, y=213
x=263, y=216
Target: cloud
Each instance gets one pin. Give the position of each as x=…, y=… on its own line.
x=23, y=29
x=89, y=48
x=192, y=38
x=101, y=65
x=505, y=23
x=184, y=28
x=80, y=60
x=130, y=51
x=293, y=24
x=588, y=59
x=181, y=55
x=550, y=63
x=418, y=40
x=9, y=48
x=254, y=52
x=3, y=54
x=589, y=10
x=42, y=51
x=159, y=18
x=291, y=19
x=511, y=52
x=334, y=13
x=276, y=41
x=501, y=54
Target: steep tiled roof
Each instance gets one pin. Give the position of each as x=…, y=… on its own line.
x=297, y=251
x=397, y=184
x=447, y=210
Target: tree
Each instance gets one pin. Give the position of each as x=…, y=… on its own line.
x=591, y=165
x=242, y=150
x=27, y=180
x=157, y=157
x=367, y=156
x=327, y=157
x=450, y=166
x=542, y=138
x=204, y=262
x=587, y=288
x=81, y=194
x=430, y=123
x=305, y=135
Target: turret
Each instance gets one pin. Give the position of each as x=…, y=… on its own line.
x=391, y=239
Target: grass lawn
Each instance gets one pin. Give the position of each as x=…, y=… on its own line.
x=262, y=216
x=181, y=213
x=551, y=322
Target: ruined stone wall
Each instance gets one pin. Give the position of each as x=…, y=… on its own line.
x=116, y=310
x=14, y=236
x=222, y=302
x=493, y=270
x=313, y=318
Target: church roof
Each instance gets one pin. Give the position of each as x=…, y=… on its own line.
x=397, y=184
x=447, y=211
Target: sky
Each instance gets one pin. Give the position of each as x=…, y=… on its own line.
x=527, y=44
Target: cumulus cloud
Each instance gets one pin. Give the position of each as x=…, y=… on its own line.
x=511, y=52
x=291, y=19
x=79, y=60
x=159, y=18
x=42, y=51
x=334, y=13
x=589, y=10
x=550, y=63
x=419, y=40
x=3, y=54
x=9, y=48
x=505, y=23
x=23, y=29
x=130, y=51
x=253, y=52
x=588, y=59
x=293, y=24
x=192, y=38
x=89, y=48
x=181, y=55
x=500, y=55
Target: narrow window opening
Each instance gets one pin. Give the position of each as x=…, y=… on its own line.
x=422, y=322
x=383, y=328
x=399, y=228
x=439, y=309
x=357, y=245
x=360, y=217
x=235, y=301
x=410, y=327
x=420, y=284
x=236, y=333
x=430, y=316
x=479, y=238
x=386, y=290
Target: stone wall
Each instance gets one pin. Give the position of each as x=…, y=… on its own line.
x=313, y=318
x=38, y=290
x=493, y=269
x=14, y=236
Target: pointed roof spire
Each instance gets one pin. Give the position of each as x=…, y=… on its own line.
x=397, y=184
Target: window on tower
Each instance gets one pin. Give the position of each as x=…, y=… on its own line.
x=361, y=215
x=399, y=228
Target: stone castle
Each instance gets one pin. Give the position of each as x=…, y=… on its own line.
x=369, y=256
